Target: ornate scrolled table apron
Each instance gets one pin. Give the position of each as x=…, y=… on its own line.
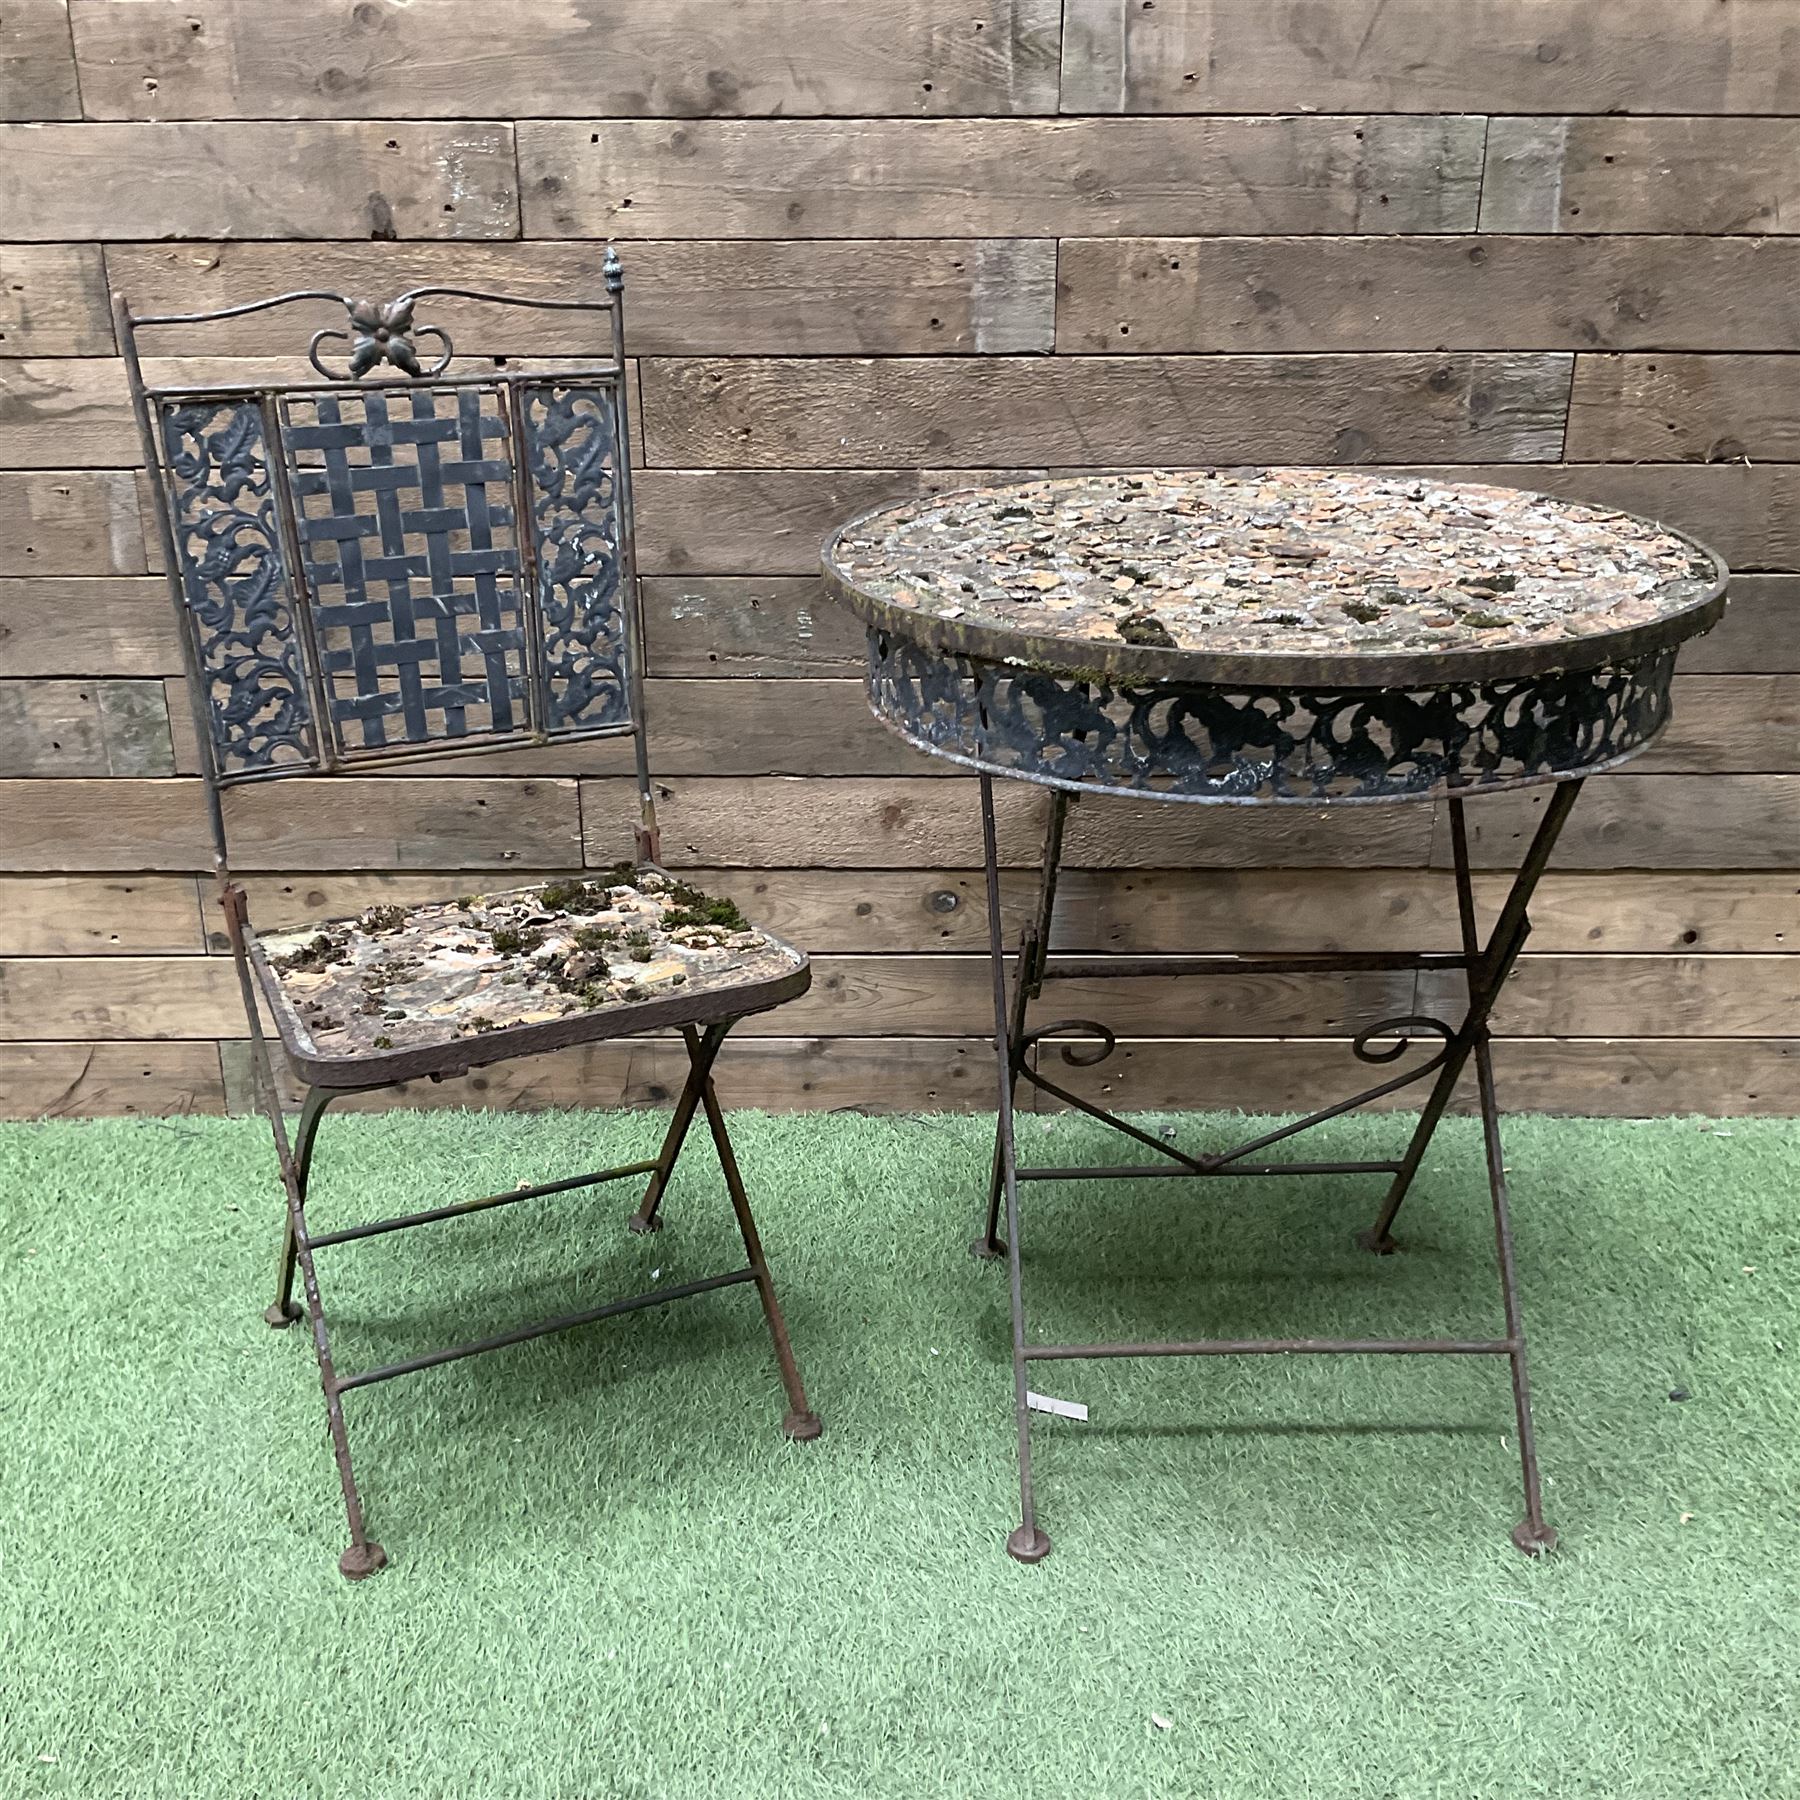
x=1251, y=638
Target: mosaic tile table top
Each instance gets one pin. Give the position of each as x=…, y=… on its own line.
x=399, y=978
x=1281, y=563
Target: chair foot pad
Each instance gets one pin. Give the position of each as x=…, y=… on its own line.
x=1027, y=1544
x=801, y=1427
x=361, y=1561
x=282, y=1316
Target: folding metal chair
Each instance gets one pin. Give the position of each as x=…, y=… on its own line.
x=429, y=563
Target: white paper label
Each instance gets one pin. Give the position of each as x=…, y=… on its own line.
x=1063, y=1409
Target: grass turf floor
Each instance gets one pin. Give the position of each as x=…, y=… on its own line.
x=611, y=1576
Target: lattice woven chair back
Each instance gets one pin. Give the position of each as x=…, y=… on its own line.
x=397, y=560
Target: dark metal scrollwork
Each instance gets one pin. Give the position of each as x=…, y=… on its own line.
x=1269, y=743
x=1418, y=1023
x=240, y=609
x=1106, y=1041
x=574, y=448
x=381, y=331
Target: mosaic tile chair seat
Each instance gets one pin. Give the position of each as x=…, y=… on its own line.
x=397, y=561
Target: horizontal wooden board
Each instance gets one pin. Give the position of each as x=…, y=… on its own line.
x=839, y=911
x=746, y=727
x=776, y=178
x=1176, y=295
x=74, y=624
x=1686, y=408
x=69, y=522
x=1594, y=1078
x=37, y=63
x=952, y=996
x=88, y=727
x=53, y=301
x=937, y=296
x=1729, y=725
x=1657, y=175
x=856, y=996
x=773, y=521
x=79, y=1080
x=748, y=625
x=781, y=1074
x=270, y=179
x=338, y=823
x=1651, y=996
x=95, y=915
x=677, y=59
x=114, y=997
x=1655, y=56
x=1632, y=821
x=1759, y=632
x=772, y=822
x=1020, y=412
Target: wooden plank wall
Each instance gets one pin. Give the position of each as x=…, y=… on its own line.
x=878, y=247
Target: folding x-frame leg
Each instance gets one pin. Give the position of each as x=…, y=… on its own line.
x=1485, y=966
x=364, y=1556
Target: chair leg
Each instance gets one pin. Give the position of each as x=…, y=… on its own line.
x=648, y=1216
x=801, y=1423
x=284, y=1312
x=364, y=1556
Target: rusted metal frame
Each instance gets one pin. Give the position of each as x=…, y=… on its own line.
x=347, y=762
x=523, y=1334
x=1325, y=962
x=525, y=545
x=703, y=1052
x=312, y=655
x=1150, y=1172
x=1026, y=1543
x=648, y=836
x=1489, y=967
x=244, y=307
x=801, y=1423
x=364, y=1556
x=284, y=1312
x=125, y=329
x=1531, y=1534
x=1034, y=947
x=1277, y=1347
x=1224, y=1162
x=254, y=390
x=322, y=1240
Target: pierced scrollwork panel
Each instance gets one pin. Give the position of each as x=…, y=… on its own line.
x=403, y=507
x=573, y=451
x=1214, y=743
x=241, y=615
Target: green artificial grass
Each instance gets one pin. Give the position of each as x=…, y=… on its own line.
x=611, y=1576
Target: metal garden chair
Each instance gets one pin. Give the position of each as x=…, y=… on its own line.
x=373, y=570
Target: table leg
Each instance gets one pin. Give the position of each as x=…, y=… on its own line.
x=1027, y=1543
x=1034, y=944
x=1488, y=970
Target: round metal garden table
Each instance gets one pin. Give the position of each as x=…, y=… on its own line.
x=1271, y=638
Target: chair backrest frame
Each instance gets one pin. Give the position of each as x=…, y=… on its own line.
x=520, y=531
